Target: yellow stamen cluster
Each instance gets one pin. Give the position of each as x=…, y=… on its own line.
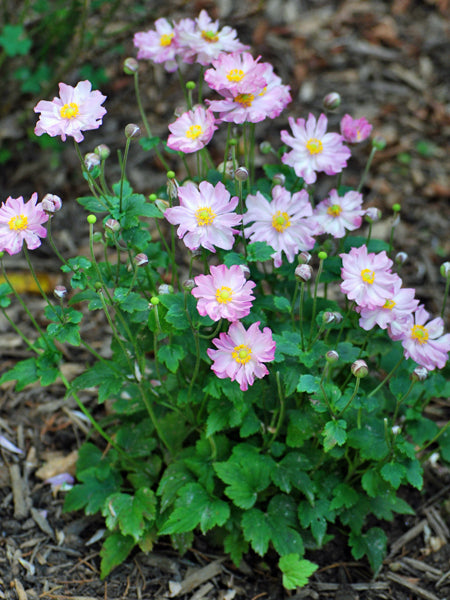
x=334, y=210
x=224, y=295
x=314, y=146
x=242, y=354
x=193, y=132
x=210, y=36
x=18, y=223
x=368, y=276
x=420, y=334
x=166, y=39
x=389, y=304
x=244, y=99
x=69, y=111
x=204, y=216
x=235, y=75
x=280, y=221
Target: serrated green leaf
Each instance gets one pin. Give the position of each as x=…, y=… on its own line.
x=372, y=544
x=129, y=513
x=288, y=473
x=414, y=474
x=334, y=433
x=259, y=251
x=148, y=143
x=344, y=495
x=394, y=473
x=115, y=550
x=235, y=546
x=14, y=40
x=25, y=372
x=257, y=531
x=370, y=440
x=296, y=571
x=171, y=356
x=308, y=383
x=174, y=478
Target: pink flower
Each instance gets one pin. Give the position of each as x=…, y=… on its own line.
x=337, y=214
x=355, y=130
x=203, y=41
x=367, y=277
x=224, y=294
x=313, y=149
x=283, y=223
x=21, y=222
x=76, y=110
x=423, y=342
x=241, y=353
x=192, y=131
x=205, y=216
x=236, y=73
x=400, y=304
x=160, y=46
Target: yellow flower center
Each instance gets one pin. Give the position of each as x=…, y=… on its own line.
x=210, y=36
x=314, y=146
x=420, y=334
x=69, y=111
x=368, y=276
x=241, y=354
x=224, y=294
x=18, y=222
x=204, y=216
x=280, y=221
x=389, y=304
x=244, y=99
x=334, y=210
x=193, y=132
x=166, y=39
x=235, y=75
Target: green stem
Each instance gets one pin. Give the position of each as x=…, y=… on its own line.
x=444, y=303
x=366, y=170
x=316, y=285
x=122, y=171
x=300, y=313
x=355, y=391
x=386, y=379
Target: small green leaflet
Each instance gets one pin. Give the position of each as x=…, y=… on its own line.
x=296, y=571
x=114, y=551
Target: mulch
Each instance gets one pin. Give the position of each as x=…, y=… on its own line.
x=389, y=60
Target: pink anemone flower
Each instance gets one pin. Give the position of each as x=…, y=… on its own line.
x=21, y=222
x=192, y=131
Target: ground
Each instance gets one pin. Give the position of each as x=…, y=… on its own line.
x=389, y=60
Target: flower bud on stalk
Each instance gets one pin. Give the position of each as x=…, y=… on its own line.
x=51, y=203
x=379, y=143
x=303, y=272
x=241, y=174
x=419, y=374
x=103, y=151
x=141, y=259
x=189, y=285
x=112, y=225
x=400, y=258
x=279, y=179
x=372, y=214
x=304, y=258
x=130, y=66
x=359, y=368
x=265, y=147
x=445, y=270
x=132, y=131
x=91, y=160
x=332, y=101
x=60, y=291
x=331, y=356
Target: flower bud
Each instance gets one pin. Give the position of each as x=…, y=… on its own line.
x=396, y=207
x=245, y=270
x=331, y=101
x=103, y=151
x=372, y=214
x=153, y=197
x=445, y=270
x=91, y=219
x=396, y=429
x=331, y=356
x=141, y=259
x=322, y=255
x=97, y=237
x=172, y=189
x=91, y=160
x=190, y=85
x=163, y=205
x=154, y=300
x=359, y=368
x=165, y=288
x=60, y=291
x=229, y=168
x=265, y=147
x=241, y=174
x=419, y=374
x=130, y=66
x=378, y=143
x=112, y=225
x=189, y=285
x=278, y=179
x=303, y=258
x=303, y=272
x=401, y=258
x=132, y=131
x=51, y=203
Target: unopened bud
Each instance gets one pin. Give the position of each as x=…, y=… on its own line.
x=190, y=85
x=372, y=214
x=279, y=179
x=130, y=66
x=229, y=168
x=91, y=219
x=396, y=207
x=165, y=288
x=171, y=174
x=154, y=300
x=401, y=258
x=241, y=174
x=163, y=205
x=153, y=197
x=103, y=151
x=332, y=317
x=445, y=270
x=396, y=429
x=359, y=368
x=265, y=147
x=172, y=189
x=189, y=285
x=245, y=270
x=51, y=203
x=303, y=258
x=419, y=374
x=60, y=291
x=97, y=237
x=112, y=225
x=132, y=131
x=91, y=160
x=322, y=255
x=331, y=101
x=331, y=356
x=303, y=272
x=378, y=143
x=141, y=259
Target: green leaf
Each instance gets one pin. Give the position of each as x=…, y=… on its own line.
x=373, y=544
x=14, y=40
x=344, y=495
x=235, y=546
x=5, y=290
x=370, y=440
x=443, y=440
x=148, y=143
x=104, y=375
x=316, y=516
x=257, y=530
x=394, y=473
x=414, y=473
x=94, y=491
x=25, y=372
x=334, y=433
x=287, y=344
x=308, y=383
x=348, y=353
x=259, y=251
x=288, y=473
x=129, y=301
x=296, y=571
x=176, y=314
x=92, y=204
x=234, y=258
x=130, y=513
x=174, y=478
x=171, y=356
x=282, y=304
x=114, y=551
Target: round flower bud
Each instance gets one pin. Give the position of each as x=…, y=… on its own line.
x=152, y=197
x=112, y=225
x=372, y=214
x=303, y=272
x=60, y=291
x=279, y=179
x=400, y=258
x=97, y=237
x=130, y=66
x=191, y=85
x=91, y=160
x=189, y=285
x=103, y=151
x=359, y=368
x=303, y=258
x=331, y=356
x=171, y=174
x=331, y=101
x=378, y=143
x=396, y=429
x=229, y=168
x=445, y=270
x=91, y=219
x=51, y=203
x=141, y=259
x=154, y=300
x=241, y=174
x=419, y=374
x=322, y=255
x=265, y=147
x=165, y=288
x=396, y=207
x=132, y=131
